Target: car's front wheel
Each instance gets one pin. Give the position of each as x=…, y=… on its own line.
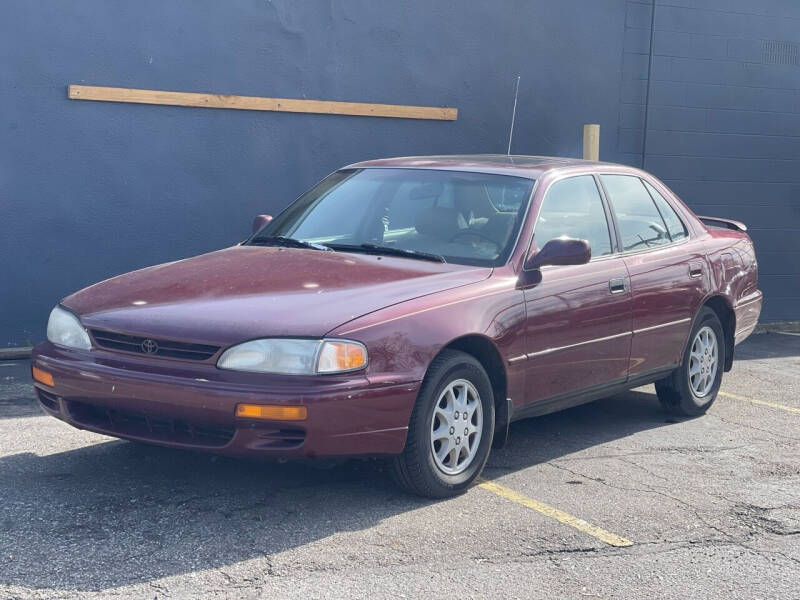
x=692, y=388
x=451, y=428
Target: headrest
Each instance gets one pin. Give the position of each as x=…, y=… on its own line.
x=440, y=222
x=472, y=199
x=426, y=190
x=499, y=225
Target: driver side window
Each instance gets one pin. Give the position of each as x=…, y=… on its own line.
x=573, y=208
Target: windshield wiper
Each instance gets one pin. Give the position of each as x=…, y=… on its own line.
x=280, y=240
x=389, y=251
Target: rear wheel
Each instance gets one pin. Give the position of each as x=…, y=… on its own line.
x=692, y=388
x=451, y=427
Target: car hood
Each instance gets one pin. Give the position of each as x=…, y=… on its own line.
x=247, y=292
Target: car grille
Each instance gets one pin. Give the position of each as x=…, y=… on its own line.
x=150, y=427
x=152, y=346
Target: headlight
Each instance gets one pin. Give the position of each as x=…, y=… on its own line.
x=64, y=329
x=295, y=357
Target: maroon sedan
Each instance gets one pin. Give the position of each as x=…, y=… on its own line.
x=412, y=307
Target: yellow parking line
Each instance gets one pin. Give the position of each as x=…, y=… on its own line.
x=554, y=513
x=790, y=409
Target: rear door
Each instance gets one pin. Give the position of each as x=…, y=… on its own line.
x=666, y=268
x=578, y=316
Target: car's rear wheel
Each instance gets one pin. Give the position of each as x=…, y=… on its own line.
x=450, y=431
x=692, y=388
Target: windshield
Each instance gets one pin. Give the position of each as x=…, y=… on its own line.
x=467, y=218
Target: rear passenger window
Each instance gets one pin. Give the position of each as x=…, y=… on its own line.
x=573, y=208
x=640, y=224
x=675, y=227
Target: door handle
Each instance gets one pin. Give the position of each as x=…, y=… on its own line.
x=616, y=286
x=695, y=270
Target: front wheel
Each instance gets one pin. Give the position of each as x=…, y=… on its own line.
x=692, y=388
x=451, y=428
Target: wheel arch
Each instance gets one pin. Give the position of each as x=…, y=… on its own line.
x=721, y=306
x=484, y=350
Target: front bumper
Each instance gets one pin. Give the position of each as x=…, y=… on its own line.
x=181, y=405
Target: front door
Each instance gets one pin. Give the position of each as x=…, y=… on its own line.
x=578, y=317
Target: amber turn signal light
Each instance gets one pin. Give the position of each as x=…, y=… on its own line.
x=271, y=412
x=341, y=355
x=42, y=377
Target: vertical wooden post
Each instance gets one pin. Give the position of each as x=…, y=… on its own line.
x=591, y=142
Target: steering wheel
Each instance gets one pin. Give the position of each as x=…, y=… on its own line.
x=473, y=233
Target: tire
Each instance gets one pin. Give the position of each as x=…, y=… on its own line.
x=432, y=429
x=690, y=390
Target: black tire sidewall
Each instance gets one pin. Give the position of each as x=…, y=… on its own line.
x=460, y=367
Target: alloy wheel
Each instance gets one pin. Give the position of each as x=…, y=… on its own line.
x=703, y=361
x=456, y=427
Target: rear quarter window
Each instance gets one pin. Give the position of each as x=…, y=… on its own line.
x=675, y=227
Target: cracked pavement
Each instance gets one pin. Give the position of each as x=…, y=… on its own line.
x=711, y=504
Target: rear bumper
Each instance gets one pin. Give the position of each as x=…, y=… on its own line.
x=192, y=407
x=747, y=311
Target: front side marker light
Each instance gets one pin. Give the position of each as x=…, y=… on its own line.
x=42, y=376
x=272, y=412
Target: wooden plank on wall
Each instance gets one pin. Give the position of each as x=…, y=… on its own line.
x=115, y=94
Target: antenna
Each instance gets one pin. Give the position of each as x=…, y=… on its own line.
x=513, y=117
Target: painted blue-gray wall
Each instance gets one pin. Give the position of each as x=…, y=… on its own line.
x=89, y=190
x=723, y=126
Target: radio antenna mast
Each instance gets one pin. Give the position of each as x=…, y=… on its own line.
x=513, y=117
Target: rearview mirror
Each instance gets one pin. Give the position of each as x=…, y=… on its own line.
x=560, y=251
x=260, y=221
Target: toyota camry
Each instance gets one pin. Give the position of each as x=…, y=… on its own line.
x=412, y=308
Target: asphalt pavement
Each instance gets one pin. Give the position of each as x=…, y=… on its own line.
x=613, y=499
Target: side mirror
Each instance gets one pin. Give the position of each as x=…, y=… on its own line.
x=260, y=221
x=560, y=251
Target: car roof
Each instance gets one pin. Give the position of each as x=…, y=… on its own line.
x=502, y=164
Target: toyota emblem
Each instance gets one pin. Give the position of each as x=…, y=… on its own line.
x=149, y=346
